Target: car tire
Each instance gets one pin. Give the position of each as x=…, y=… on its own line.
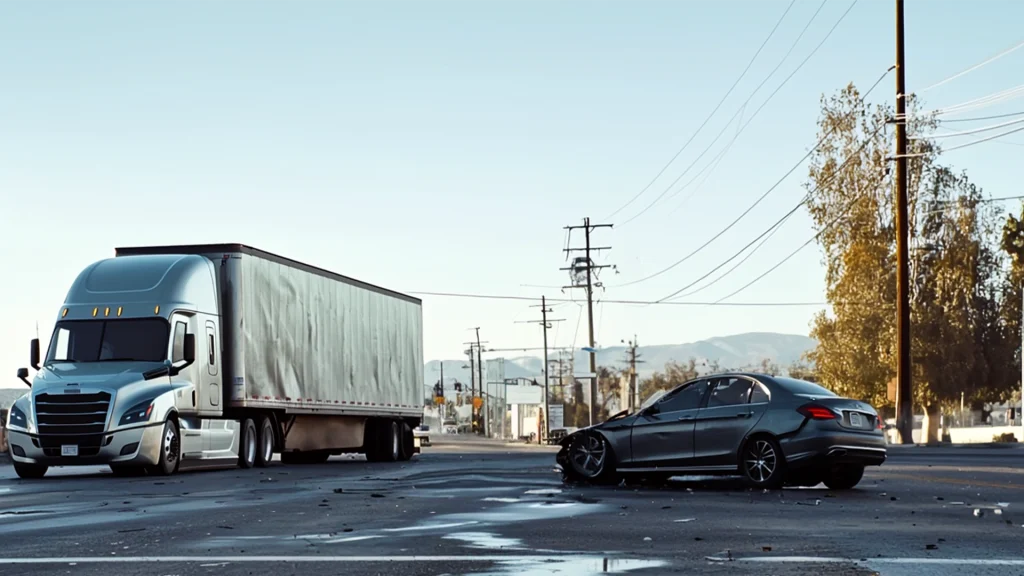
x=762, y=462
x=844, y=476
x=805, y=478
x=248, y=444
x=170, y=451
x=590, y=459
x=265, y=442
x=30, y=471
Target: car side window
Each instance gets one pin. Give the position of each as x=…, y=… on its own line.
x=687, y=398
x=759, y=394
x=730, y=392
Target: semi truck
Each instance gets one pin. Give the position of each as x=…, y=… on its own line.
x=222, y=354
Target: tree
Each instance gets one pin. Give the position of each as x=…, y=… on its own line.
x=959, y=343
x=673, y=375
x=801, y=370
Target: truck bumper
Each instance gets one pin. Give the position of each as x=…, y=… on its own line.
x=135, y=446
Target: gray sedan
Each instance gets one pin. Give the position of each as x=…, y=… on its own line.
x=770, y=429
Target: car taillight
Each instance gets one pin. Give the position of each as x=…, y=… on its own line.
x=881, y=425
x=816, y=412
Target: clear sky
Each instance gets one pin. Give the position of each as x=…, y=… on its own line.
x=442, y=146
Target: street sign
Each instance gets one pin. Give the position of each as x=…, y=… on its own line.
x=555, y=416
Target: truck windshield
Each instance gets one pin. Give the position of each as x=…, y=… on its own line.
x=141, y=340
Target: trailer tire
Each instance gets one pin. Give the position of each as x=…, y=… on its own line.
x=265, y=442
x=408, y=443
x=247, y=444
x=392, y=448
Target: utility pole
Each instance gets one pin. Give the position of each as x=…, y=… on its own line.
x=545, y=324
x=476, y=413
x=634, y=389
x=904, y=388
x=583, y=268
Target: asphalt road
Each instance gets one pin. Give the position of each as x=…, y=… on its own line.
x=479, y=509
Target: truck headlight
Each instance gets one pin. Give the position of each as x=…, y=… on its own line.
x=17, y=419
x=138, y=413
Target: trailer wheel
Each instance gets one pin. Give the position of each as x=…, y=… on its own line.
x=408, y=443
x=265, y=442
x=247, y=444
x=393, y=437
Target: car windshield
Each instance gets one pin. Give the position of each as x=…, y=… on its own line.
x=802, y=387
x=142, y=340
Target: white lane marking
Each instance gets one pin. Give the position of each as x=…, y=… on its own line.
x=830, y=560
x=297, y=559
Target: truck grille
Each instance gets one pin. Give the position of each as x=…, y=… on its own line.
x=71, y=414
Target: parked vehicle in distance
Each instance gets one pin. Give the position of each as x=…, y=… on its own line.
x=770, y=429
x=422, y=434
x=222, y=354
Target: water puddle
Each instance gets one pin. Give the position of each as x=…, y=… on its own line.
x=486, y=541
x=544, y=492
x=578, y=566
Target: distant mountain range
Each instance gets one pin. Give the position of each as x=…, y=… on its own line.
x=735, y=351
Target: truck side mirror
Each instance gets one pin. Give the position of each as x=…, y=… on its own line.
x=190, y=349
x=23, y=376
x=34, y=355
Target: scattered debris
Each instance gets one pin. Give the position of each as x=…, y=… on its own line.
x=978, y=512
x=931, y=547
x=815, y=503
x=766, y=548
x=225, y=527
x=130, y=530
x=1000, y=504
x=375, y=495
x=684, y=520
x=939, y=498
x=666, y=507
x=893, y=498
x=339, y=490
x=647, y=538
x=956, y=503
x=998, y=511
x=699, y=539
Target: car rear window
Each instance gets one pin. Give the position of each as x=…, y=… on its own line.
x=802, y=386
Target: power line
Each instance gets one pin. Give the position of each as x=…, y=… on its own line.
x=782, y=220
x=988, y=128
x=619, y=302
x=958, y=147
x=706, y=120
x=980, y=102
x=762, y=197
x=977, y=118
x=975, y=67
x=744, y=105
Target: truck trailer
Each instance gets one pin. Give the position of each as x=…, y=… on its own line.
x=221, y=354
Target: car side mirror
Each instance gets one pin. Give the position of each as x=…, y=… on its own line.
x=651, y=410
x=34, y=354
x=23, y=376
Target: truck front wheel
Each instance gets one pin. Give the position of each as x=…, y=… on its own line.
x=170, y=451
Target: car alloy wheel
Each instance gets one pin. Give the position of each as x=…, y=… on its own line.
x=761, y=461
x=589, y=455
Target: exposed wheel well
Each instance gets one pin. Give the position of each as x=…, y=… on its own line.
x=755, y=436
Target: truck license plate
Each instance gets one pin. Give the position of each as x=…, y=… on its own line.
x=69, y=450
x=856, y=420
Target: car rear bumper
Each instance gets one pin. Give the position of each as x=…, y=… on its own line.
x=134, y=446
x=834, y=447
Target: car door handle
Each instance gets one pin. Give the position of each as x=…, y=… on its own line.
x=682, y=418
x=743, y=415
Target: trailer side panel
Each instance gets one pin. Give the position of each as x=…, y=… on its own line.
x=312, y=343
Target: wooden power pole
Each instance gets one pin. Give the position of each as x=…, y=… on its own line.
x=545, y=324
x=583, y=276
x=904, y=389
